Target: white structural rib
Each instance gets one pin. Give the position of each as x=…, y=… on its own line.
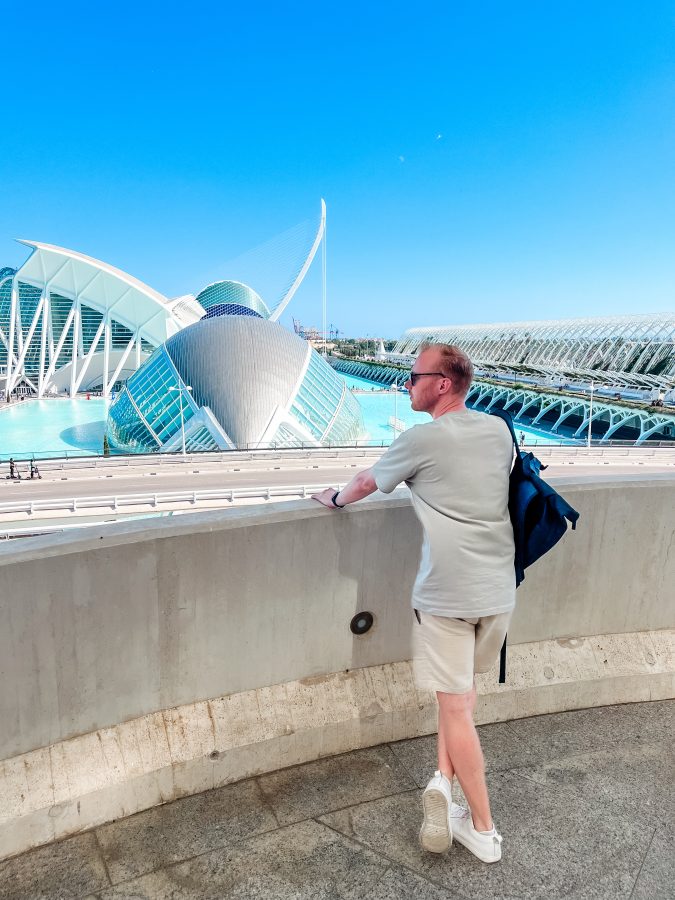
x=638, y=350
x=87, y=283
x=63, y=253
x=283, y=303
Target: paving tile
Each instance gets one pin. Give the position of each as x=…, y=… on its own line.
x=656, y=880
x=615, y=884
x=418, y=756
x=306, y=861
x=636, y=781
x=318, y=787
x=69, y=868
x=550, y=843
x=503, y=748
x=578, y=731
x=185, y=828
x=400, y=884
x=585, y=801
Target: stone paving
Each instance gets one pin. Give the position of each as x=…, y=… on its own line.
x=585, y=801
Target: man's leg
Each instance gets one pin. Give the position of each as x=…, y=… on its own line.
x=459, y=747
x=444, y=762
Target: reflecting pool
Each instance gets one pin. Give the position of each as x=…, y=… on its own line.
x=56, y=427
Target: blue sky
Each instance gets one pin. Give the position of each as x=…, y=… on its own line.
x=480, y=161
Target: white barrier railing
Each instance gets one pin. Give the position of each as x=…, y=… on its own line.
x=233, y=457
x=230, y=457
x=154, y=499
x=252, y=453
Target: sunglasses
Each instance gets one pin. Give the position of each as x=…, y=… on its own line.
x=413, y=376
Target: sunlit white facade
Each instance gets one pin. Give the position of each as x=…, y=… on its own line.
x=620, y=350
x=233, y=381
x=72, y=323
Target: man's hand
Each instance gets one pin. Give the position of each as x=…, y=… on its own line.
x=359, y=487
x=326, y=497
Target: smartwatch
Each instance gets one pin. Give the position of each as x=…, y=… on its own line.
x=332, y=499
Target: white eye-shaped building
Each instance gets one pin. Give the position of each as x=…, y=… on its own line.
x=218, y=364
x=234, y=378
x=235, y=381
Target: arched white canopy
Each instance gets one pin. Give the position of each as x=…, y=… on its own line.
x=101, y=286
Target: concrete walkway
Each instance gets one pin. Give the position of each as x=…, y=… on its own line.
x=585, y=801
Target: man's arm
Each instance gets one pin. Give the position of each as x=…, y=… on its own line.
x=399, y=463
x=361, y=485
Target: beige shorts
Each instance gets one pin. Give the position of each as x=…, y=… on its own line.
x=448, y=652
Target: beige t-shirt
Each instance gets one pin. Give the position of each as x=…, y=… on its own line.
x=457, y=468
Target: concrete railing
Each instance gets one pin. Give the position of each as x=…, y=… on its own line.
x=146, y=660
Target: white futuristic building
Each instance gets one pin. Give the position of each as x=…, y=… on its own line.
x=632, y=351
x=70, y=323
x=233, y=381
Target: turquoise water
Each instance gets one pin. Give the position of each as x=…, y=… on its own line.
x=380, y=405
x=51, y=428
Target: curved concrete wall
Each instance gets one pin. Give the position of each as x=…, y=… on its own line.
x=146, y=661
x=113, y=623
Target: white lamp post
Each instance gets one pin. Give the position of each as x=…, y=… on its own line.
x=590, y=416
x=182, y=418
x=394, y=388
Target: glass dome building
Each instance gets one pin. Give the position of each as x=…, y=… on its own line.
x=70, y=323
x=231, y=298
x=236, y=381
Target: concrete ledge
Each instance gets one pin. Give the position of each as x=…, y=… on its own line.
x=74, y=785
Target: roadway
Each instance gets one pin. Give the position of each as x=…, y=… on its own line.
x=219, y=473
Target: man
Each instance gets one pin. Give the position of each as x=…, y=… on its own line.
x=457, y=468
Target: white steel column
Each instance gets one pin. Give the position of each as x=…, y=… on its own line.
x=90, y=354
x=50, y=330
x=323, y=287
x=26, y=346
x=43, y=341
x=76, y=345
x=106, y=355
x=12, y=327
x=120, y=365
x=59, y=345
x=590, y=417
x=138, y=351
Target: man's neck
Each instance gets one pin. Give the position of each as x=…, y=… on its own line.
x=454, y=404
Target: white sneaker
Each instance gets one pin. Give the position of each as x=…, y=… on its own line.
x=486, y=845
x=436, y=833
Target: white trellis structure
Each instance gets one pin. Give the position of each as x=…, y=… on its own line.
x=611, y=416
x=72, y=323
x=630, y=351
x=69, y=322
x=530, y=406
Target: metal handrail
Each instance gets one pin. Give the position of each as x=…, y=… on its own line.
x=268, y=452
x=155, y=498
x=116, y=501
